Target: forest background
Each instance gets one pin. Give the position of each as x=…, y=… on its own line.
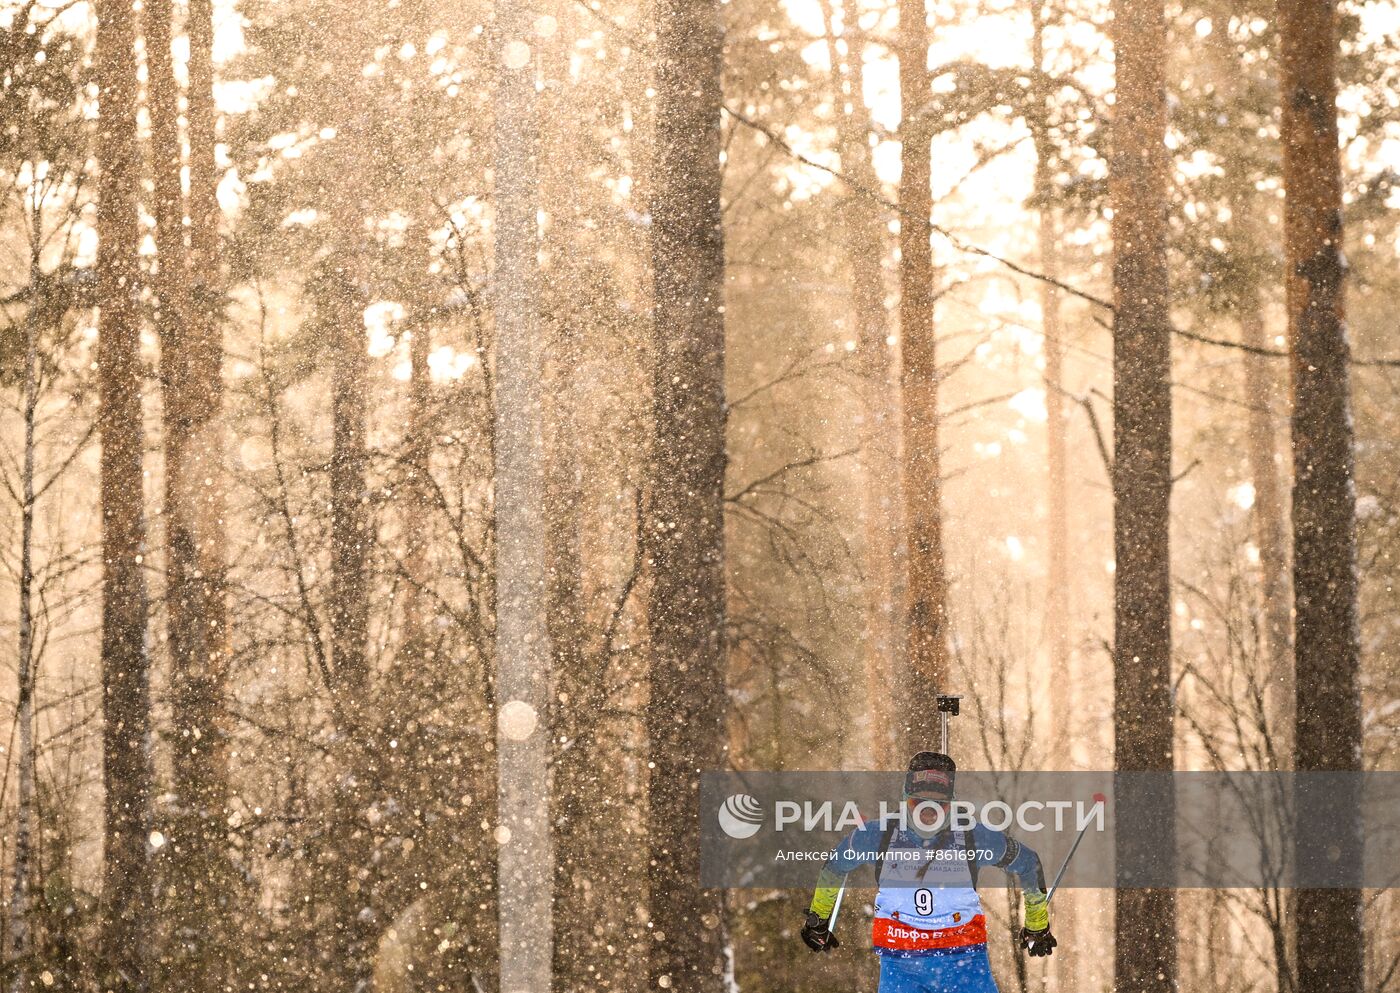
x=435, y=432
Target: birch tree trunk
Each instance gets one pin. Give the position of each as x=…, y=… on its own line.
x=685, y=717
x=926, y=596
x=1145, y=926
x=1327, y=639
x=126, y=733
x=522, y=635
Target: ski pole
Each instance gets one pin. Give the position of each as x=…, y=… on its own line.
x=836, y=909
x=1099, y=798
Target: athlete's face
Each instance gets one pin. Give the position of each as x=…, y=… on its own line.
x=928, y=812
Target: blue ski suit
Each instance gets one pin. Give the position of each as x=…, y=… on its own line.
x=929, y=930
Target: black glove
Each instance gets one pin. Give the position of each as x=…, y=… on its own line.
x=1037, y=943
x=816, y=935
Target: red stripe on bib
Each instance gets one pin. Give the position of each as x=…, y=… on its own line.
x=902, y=937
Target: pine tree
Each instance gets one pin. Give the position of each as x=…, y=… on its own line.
x=926, y=607
x=341, y=291
x=126, y=735
x=685, y=523
x=204, y=880
x=1327, y=640
x=1145, y=924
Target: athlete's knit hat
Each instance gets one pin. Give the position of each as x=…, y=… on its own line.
x=930, y=774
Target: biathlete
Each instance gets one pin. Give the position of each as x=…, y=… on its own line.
x=929, y=930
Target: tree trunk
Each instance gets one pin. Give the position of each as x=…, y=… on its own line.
x=1057, y=591
x=163, y=101
x=348, y=874
x=580, y=813
x=203, y=877
x=354, y=930
x=21, y=950
x=348, y=471
x=685, y=715
x=1261, y=387
x=1145, y=930
x=351, y=877
x=522, y=635
x=1326, y=623
x=592, y=902
x=126, y=735
x=877, y=468
x=1057, y=574
x=417, y=494
x=576, y=791
x=926, y=607
x=203, y=206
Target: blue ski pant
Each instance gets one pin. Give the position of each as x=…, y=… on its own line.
x=966, y=970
